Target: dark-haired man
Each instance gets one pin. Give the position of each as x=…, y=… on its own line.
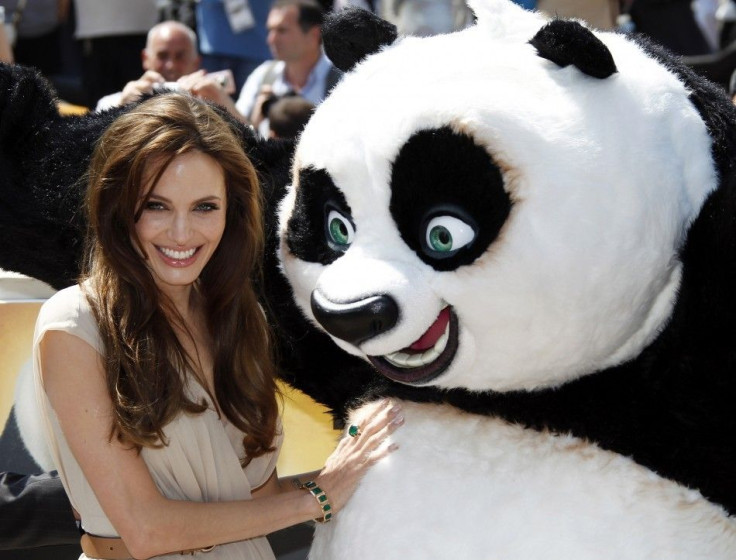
x=299, y=66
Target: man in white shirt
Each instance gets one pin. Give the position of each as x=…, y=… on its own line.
x=299, y=66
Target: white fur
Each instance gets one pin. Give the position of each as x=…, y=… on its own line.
x=470, y=487
x=29, y=418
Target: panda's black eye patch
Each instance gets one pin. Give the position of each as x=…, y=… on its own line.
x=447, y=197
x=320, y=228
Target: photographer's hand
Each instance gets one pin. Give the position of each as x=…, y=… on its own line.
x=143, y=85
x=201, y=85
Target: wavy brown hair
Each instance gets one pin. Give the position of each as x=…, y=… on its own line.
x=144, y=360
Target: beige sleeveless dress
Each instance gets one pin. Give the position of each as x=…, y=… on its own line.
x=201, y=462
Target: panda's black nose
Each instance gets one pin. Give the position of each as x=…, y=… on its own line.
x=356, y=321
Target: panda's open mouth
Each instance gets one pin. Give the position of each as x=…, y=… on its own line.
x=427, y=357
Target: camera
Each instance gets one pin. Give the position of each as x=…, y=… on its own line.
x=166, y=86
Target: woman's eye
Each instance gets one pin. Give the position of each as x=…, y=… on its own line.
x=207, y=207
x=153, y=205
x=446, y=235
x=340, y=231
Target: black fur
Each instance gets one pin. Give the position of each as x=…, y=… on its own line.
x=352, y=34
x=315, y=197
x=441, y=172
x=39, y=203
x=568, y=42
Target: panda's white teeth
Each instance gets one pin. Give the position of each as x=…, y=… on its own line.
x=406, y=360
x=178, y=255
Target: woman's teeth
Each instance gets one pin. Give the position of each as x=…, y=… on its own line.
x=178, y=255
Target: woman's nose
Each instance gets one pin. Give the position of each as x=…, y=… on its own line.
x=180, y=229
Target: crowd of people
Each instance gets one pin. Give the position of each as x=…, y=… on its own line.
x=162, y=298
x=242, y=54
x=244, y=59
x=299, y=68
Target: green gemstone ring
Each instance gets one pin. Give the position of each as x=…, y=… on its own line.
x=354, y=431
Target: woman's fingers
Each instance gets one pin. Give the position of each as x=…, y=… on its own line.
x=363, y=429
x=377, y=417
x=369, y=435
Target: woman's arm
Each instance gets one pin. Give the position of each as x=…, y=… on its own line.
x=151, y=524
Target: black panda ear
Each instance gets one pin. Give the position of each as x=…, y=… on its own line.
x=351, y=34
x=568, y=42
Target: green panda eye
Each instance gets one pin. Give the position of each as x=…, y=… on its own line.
x=339, y=230
x=440, y=239
x=446, y=235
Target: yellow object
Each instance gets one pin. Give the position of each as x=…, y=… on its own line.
x=308, y=434
x=17, y=320
x=67, y=109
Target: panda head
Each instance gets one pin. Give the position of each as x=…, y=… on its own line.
x=500, y=208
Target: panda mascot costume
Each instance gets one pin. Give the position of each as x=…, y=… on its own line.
x=526, y=233
x=528, y=229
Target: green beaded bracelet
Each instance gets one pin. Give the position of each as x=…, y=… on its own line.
x=321, y=497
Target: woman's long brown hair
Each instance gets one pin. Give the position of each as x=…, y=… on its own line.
x=144, y=361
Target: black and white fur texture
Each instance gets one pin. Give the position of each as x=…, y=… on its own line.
x=528, y=228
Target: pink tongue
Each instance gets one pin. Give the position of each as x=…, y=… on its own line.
x=429, y=338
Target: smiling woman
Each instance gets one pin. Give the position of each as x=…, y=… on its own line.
x=155, y=373
x=182, y=220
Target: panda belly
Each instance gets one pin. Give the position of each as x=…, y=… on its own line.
x=474, y=487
